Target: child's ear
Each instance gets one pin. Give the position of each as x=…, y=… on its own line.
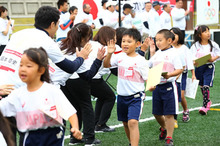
x=41, y=70
x=169, y=40
x=138, y=44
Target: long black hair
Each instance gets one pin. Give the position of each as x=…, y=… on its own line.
x=178, y=32
x=197, y=35
x=40, y=57
x=79, y=32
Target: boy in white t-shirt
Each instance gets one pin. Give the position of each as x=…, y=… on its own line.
x=132, y=73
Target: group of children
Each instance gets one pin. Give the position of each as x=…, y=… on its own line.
x=39, y=107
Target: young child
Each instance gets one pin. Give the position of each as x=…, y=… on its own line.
x=39, y=106
x=132, y=72
x=205, y=73
x=183, y=51
x=165, y=98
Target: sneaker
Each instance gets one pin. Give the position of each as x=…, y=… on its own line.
x=208, y=105
x=203, y=111
x=74, y=141
x=163, y=134
x=103, y=128
x=175, y=124
x=186, y=116
x=168, y=142
x=92, y=142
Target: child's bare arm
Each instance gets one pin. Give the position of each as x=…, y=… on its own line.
x=75, y=127
x=174, y=73
x=212, y=59
x=111, y=50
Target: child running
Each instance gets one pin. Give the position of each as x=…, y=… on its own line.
x=165, y=98
x=132, y=72
x=183, y=51
x=205, y=74
x=39, y=106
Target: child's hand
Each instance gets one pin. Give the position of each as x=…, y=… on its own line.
x=166, y=76
x=85, y=20
x=72, y=16
x=111, y=46
x=76, y=133
x=193, y=77
x=152, y=88
x=6, y=89
x=84, y=53
x=145, y=45
x=101, y=54
x=195, y=63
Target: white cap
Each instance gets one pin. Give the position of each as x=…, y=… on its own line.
x=110, y=3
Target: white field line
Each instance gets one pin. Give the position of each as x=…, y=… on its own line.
x=150, y=118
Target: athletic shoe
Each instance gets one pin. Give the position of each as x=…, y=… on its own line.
x=175, y=124
x=186, y=116
x=92, y=142
x=168, y=142
x=163, y=134
x=203, y=111
x=74, y=141
x=208, y=105
x=103, y=128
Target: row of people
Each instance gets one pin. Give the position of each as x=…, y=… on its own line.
x=132, y=72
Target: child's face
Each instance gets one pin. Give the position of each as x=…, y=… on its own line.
x=129, y=45
x=163, y=43
x=28, y=70
x=176, y=38
x=205, y=35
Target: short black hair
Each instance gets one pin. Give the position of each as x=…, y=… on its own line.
x=45, y=15
x=134, y=33
x=71, y=9
x=178, y=0
x=60, y=3
x=3, y=9
x=148, y=3
x=167, y=34
x=104, y=1
x=178, y=32
x=164, y=6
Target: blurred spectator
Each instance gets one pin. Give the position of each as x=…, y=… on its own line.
x=145, y=16
x=111, y=19
x=126, y=16
x=165, y=19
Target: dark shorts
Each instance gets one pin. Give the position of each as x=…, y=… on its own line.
x=205, y=74
x=44, y=137
x=179, y=91
x=130, y=107
x=165, y=99
x=183, y=80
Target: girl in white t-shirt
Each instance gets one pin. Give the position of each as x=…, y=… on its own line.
x=187, y=60
x=5, y=28
x=205, y=74
x=39, y=106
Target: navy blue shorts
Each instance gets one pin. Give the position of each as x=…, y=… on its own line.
x=205, y=74
x=165, y=99
x=183, y=80
x=130, y=107
x=179, y=91
x=44, y=137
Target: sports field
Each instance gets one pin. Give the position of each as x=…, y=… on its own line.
x=199, y=131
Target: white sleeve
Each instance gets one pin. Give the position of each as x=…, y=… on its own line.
x=189, y=60
x=8, y=105
x=55, y=53
x=64, y=107
x=114, y=60
x=193, y=51
x=144, y=69
x=177, y=14
x=2, y=28
x=177, y=62
x=216, y=49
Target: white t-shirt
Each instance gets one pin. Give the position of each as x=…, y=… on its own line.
x=178, y=16
x=132, y=73
x=29, y=108
x=165, y=20
x=199, y=50
x=110, y=19
x=127, y=22
x=145, y=16
x=2, y=139
x=3, y=25
x=154, y=22
x=137, y=22
x=80, y=17
x=171, y=61
x=64, y=18
x=20, y=41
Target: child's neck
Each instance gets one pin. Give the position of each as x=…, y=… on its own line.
x=176, y=45
x=132, y=54
x=166, y=48
x=33, y=86
x=204, y=42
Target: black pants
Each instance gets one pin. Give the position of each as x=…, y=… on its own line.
x=105, y=101
x=2, y=47
x=78, y=93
